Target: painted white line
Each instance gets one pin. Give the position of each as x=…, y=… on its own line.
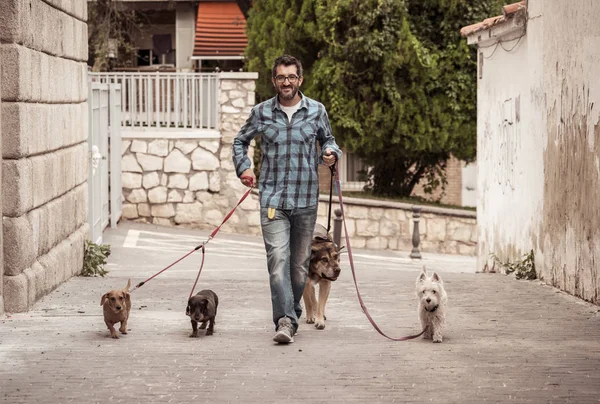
x=131, y=239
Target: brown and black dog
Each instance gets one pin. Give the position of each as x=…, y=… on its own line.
x=116, y=305
x=324, y=268
x=202, y=308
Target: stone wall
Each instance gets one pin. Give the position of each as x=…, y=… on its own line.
x=188, y=178
x=43, y=48
x=383, y=225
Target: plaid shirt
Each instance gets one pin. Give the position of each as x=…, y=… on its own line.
x=289, y=175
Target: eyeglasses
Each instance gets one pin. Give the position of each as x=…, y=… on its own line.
x=292, y=78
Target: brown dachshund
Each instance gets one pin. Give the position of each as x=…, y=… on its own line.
x=116, y=305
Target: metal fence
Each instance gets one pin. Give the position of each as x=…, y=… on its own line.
x=166, y=100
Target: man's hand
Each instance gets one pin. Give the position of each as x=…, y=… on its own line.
x=329, y=158
x=248, y=178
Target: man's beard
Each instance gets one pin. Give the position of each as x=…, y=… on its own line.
x=288, y=96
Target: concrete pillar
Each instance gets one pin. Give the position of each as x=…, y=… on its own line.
x=185, y=27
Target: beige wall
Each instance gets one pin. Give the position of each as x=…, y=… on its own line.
x=44, y=145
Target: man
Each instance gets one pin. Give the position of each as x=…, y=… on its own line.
x=290, y=125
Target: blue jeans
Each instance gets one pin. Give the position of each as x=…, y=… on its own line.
x=287, y=238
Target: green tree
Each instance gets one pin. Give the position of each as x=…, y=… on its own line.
x=277, y=27
x=399, y=83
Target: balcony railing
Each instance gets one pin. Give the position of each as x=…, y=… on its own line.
x=166, y=100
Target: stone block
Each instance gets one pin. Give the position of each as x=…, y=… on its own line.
x=199, y=182
x=57, y=172
x=139, y=146
x=203, y=160
x=367, y=228
x=56, y=33
x=73, y=7
x=54, y=127
x=130, y=211
x=188, y=196
x=57, y=219
x=177, y=162
x=186, y=146
x=163, y=210
x=137, y=196
x=210, y=145
x=459, y=231
x=157, y=195
x=144, y=209
x=213, y=217
x=214, y=182
x=16, y=291
x=390, y=228
x=239, y=103
x=151, y=180
x=150, y=163
x=125, y=146
x=188, y=213
x=29, y=75
x=17, y=187
x=161, y=221
x=357, y=212
x=178, y=181
x=159, y=147
x=175, y=196
x=131, y=180
x=130, y=164
x=436, y=228
x=19, y=253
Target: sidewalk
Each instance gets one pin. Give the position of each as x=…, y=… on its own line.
x=506, y=340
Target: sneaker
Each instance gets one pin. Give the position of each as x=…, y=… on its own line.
x=285, y=331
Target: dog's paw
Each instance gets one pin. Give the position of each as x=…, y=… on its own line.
x=209, y=332
x=310, y=320
x=114, y=336
x=320, y=324
x=438, y=340
x=194, y=335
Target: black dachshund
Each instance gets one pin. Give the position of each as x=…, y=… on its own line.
x=202, y=308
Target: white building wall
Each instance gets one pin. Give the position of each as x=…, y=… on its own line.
x=185, y=26
x=539, y=146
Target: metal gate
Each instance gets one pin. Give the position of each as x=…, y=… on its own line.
x=115, y=191
x=98, y=168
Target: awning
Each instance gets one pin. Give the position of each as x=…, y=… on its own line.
x=220, y=31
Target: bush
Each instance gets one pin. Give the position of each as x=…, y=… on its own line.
x=94, y=259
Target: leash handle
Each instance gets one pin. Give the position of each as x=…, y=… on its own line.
x=350, y=258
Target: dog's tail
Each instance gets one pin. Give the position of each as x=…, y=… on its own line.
x=126, y=289
x=424, y=270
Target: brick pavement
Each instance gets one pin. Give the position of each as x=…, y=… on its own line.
x=507, y=340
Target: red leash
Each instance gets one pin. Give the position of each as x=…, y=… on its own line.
x=362, y=304
x=201, y=246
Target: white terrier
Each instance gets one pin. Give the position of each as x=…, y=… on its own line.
x=432, y=305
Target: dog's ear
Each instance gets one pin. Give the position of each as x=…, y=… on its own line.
x=187, y=310
x=104, y=297
x=421, y=277
x=436, y=278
